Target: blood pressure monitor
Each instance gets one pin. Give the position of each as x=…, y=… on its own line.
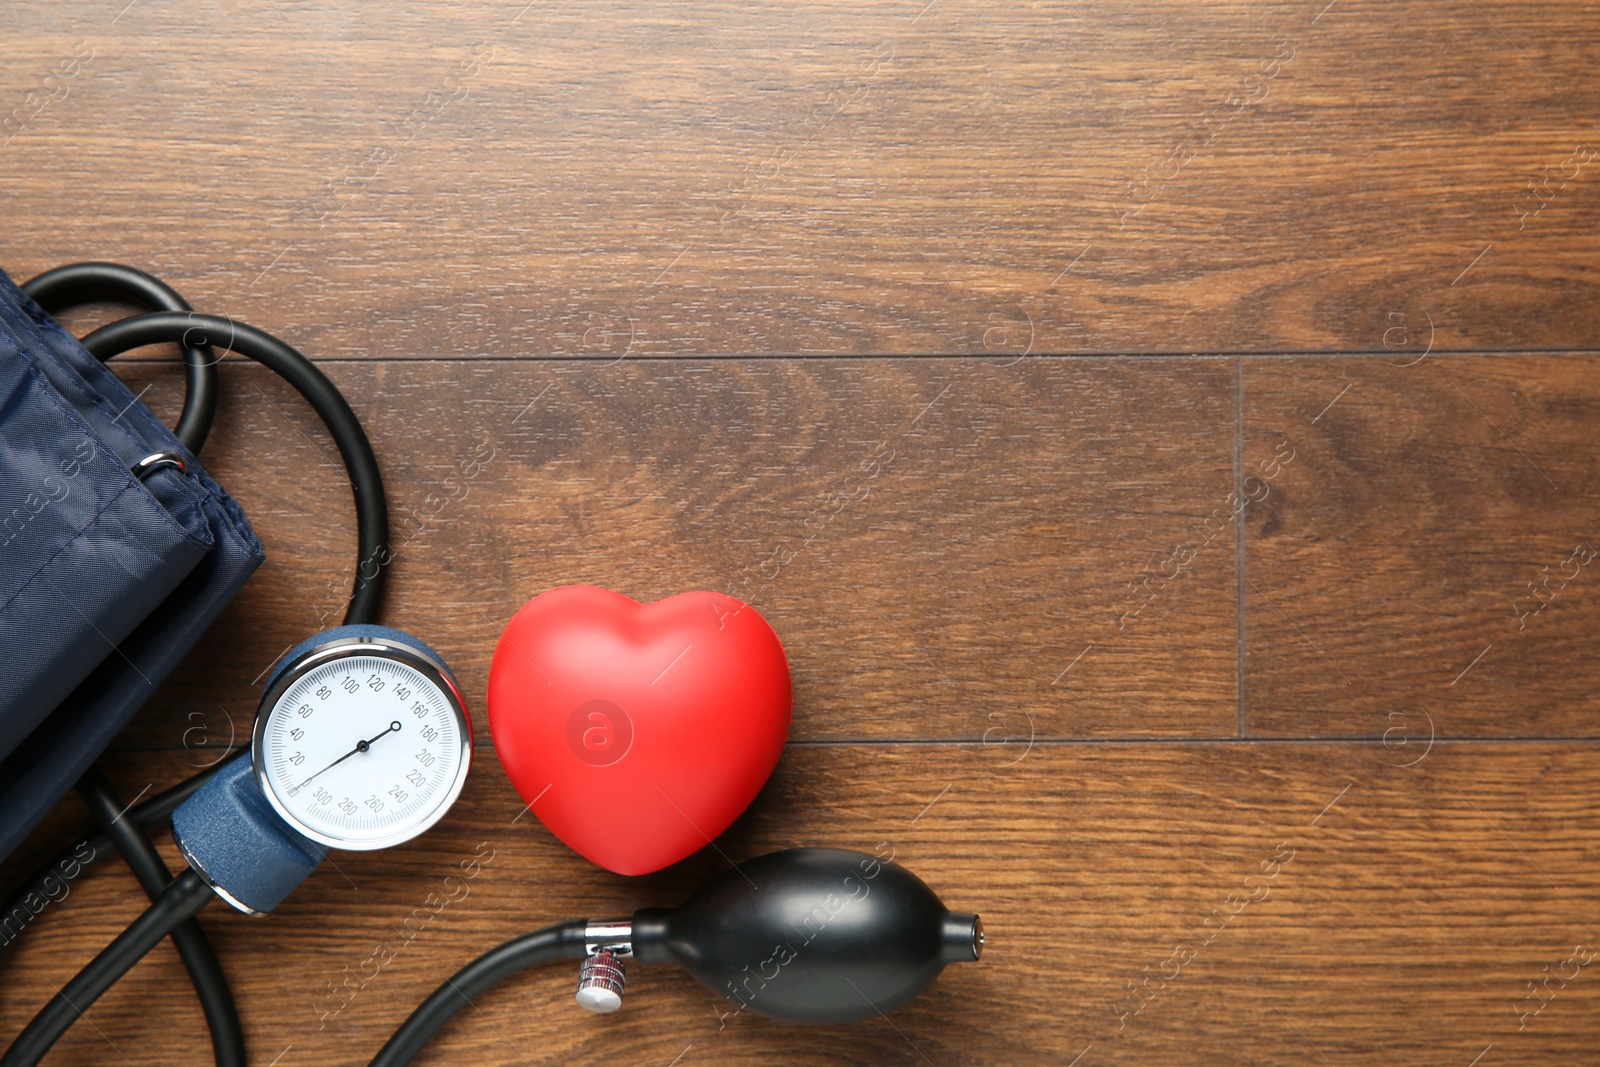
x=362, y=741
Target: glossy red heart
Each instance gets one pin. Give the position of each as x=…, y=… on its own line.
x=638, y=732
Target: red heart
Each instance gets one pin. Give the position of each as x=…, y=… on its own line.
x=638, y=732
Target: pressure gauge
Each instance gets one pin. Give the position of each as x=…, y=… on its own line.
x=363, y=740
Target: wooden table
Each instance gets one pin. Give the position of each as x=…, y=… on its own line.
x=1165, y=436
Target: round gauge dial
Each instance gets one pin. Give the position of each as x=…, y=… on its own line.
x=362, y=744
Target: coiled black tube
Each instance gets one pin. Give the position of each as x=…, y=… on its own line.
x=210, y=984
x=94, y=848
x=181, y=900
x=372, y=510
x=80, y=283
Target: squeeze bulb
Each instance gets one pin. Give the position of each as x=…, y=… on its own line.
x=812, y=935
x=809, y=935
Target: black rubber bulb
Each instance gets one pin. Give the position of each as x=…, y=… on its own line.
x=812, y=935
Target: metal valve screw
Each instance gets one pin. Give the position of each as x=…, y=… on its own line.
x=600, y=982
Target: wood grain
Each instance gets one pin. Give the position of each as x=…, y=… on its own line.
x=713, y=177
x=1422, y=568
x=1238, y=585
x=1089, y=864
x=937, y=542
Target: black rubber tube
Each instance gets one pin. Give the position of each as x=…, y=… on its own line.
x=80, y=283
x=372, y=511
x=210, y=983
x=564, y=941
x=72, y=861
x=181, y=900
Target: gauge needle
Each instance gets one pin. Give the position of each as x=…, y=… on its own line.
x=361, y=746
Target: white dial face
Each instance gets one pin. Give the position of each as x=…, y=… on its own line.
x=363, y=751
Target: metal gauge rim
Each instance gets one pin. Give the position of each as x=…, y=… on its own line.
x=341, y=648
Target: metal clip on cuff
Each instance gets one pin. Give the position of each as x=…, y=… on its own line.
x=155, y=461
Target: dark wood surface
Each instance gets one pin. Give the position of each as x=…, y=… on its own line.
x=1232, y=494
